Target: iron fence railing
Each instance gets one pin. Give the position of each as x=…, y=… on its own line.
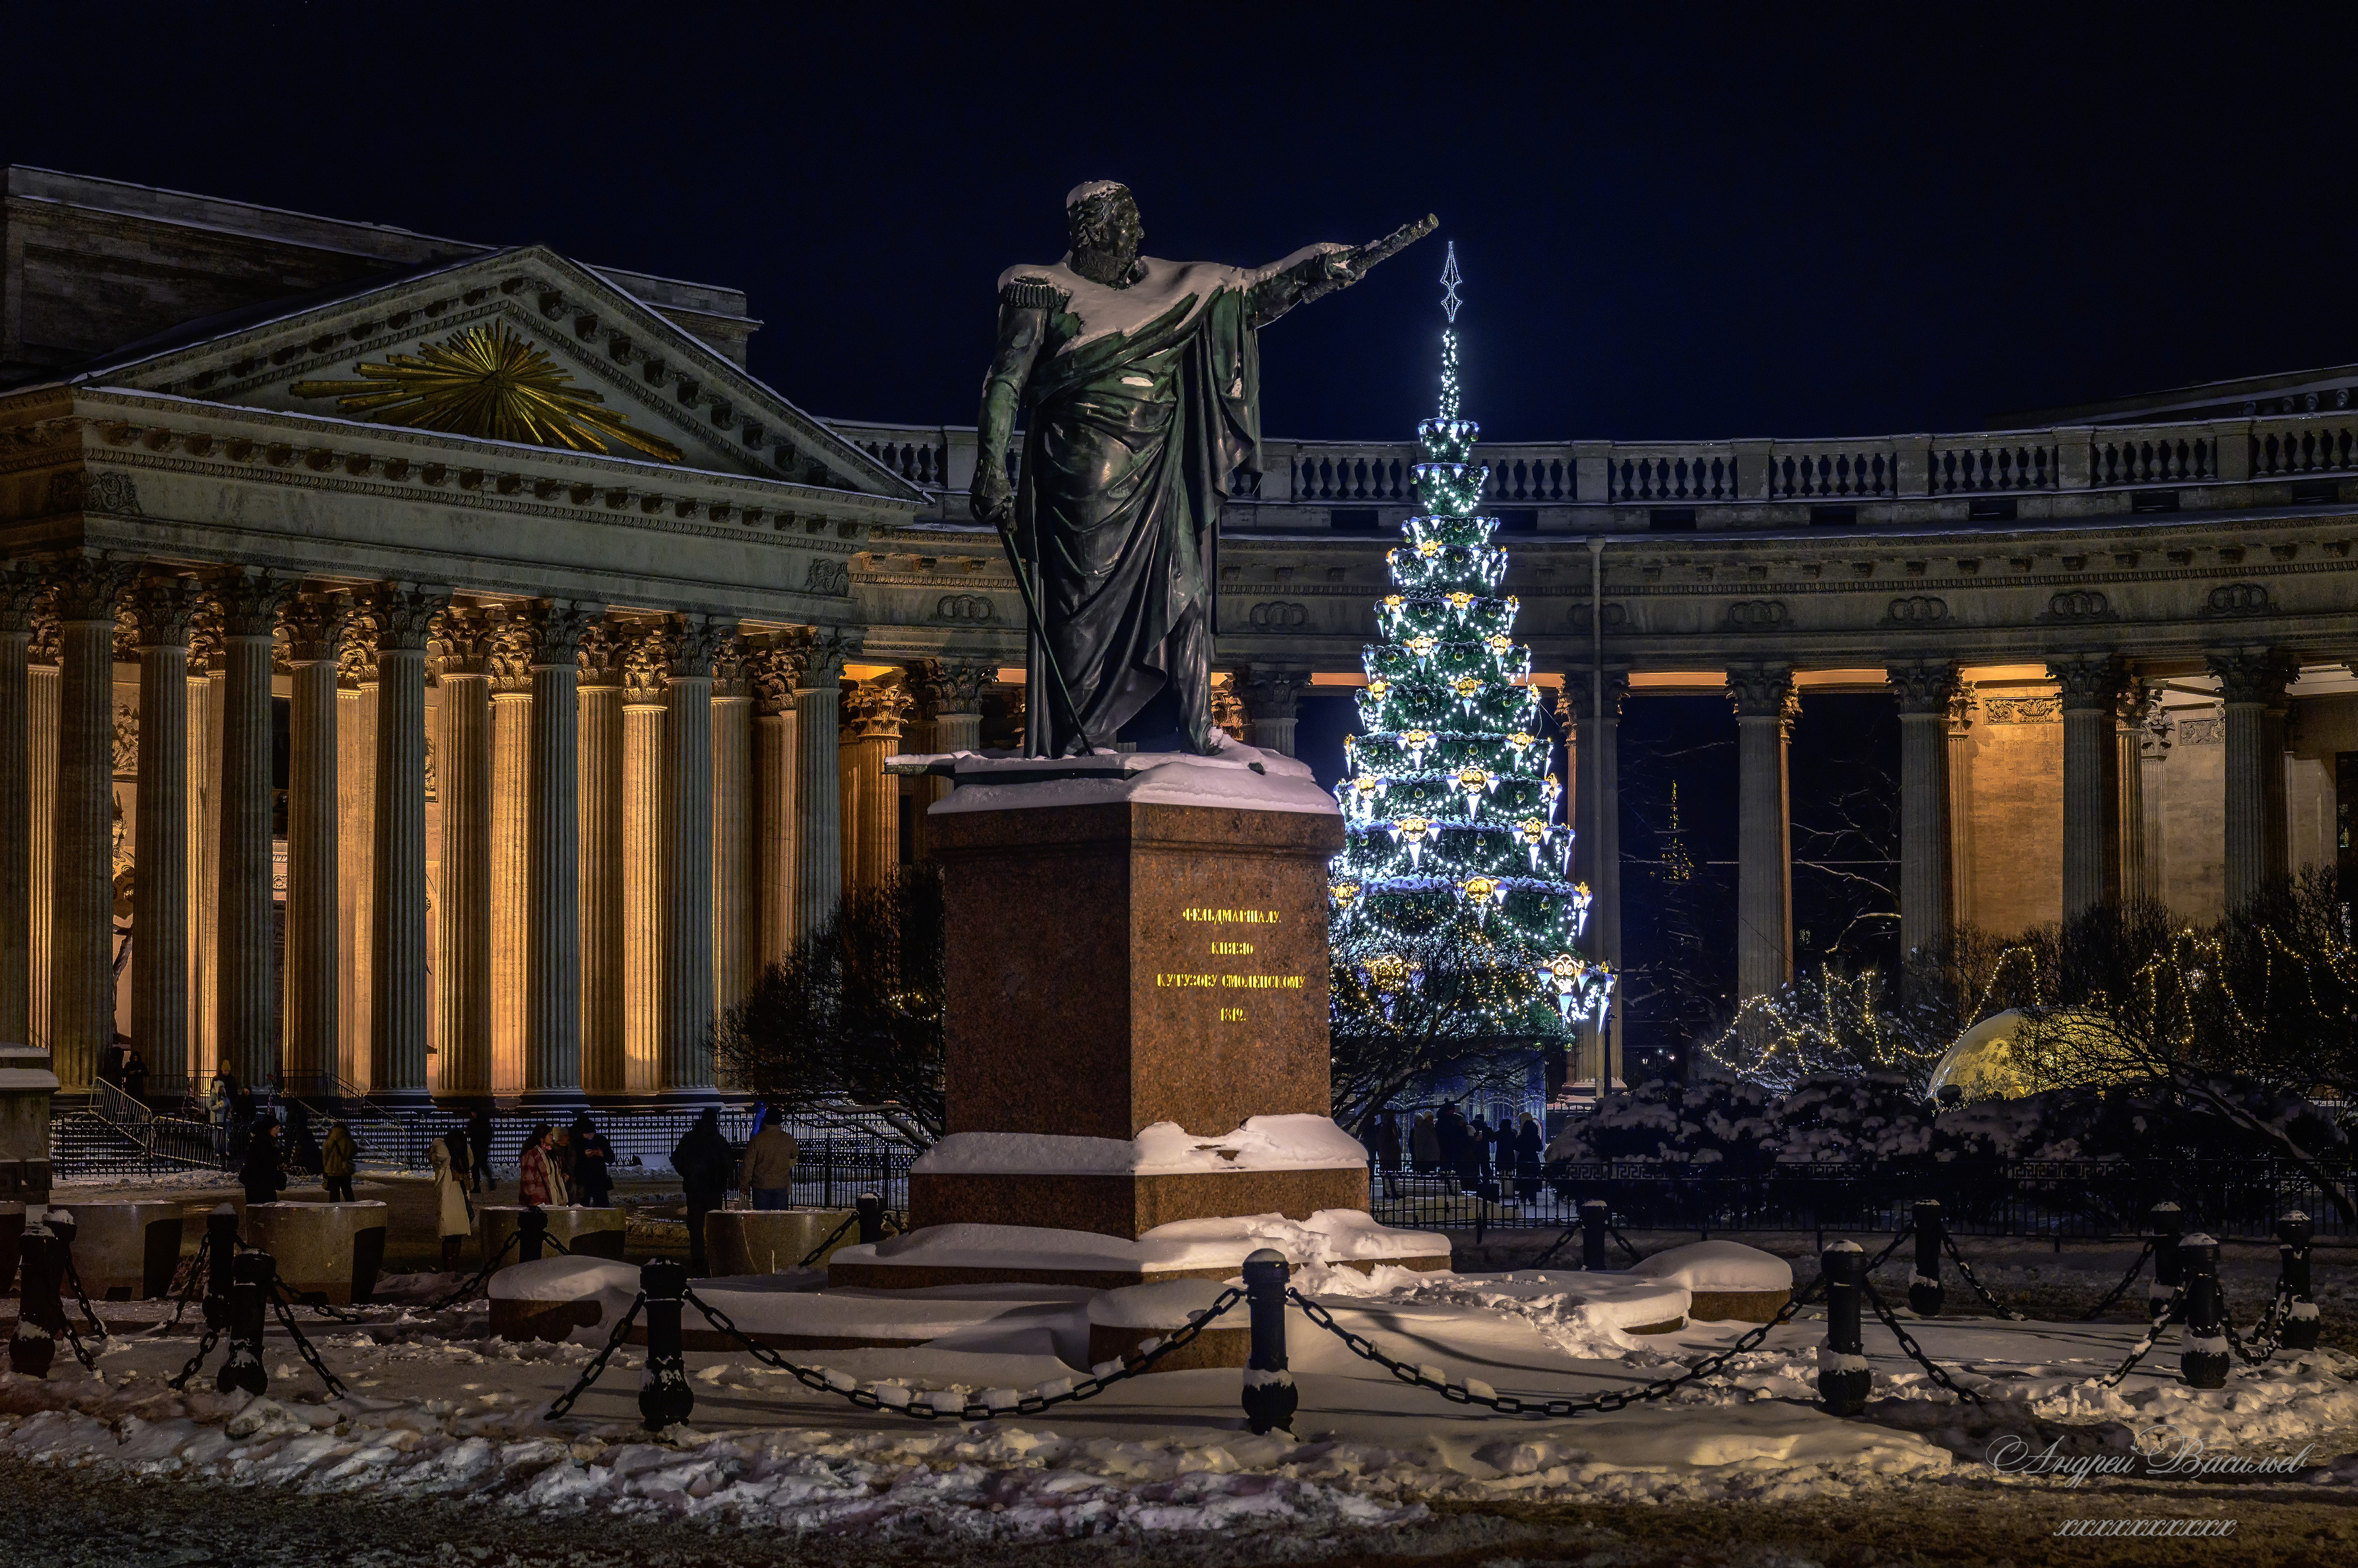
x=2061, y=1198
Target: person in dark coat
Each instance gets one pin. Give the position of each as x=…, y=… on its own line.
x=704, y=1161
x=1388, y=1143
x=1477, y=1138
x=1455, y=1158
x=135, y=1077
x=1530, y=1153
x=479, y=1150
x=261, y=1175
x=593, y=1162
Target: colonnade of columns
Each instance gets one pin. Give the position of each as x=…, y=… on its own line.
x=637, y=813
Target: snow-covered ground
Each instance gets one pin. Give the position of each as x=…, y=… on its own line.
x=437, y=1409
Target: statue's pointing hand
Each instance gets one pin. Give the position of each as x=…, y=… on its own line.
x=992, y=498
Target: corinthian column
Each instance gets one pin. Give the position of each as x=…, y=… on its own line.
x=1596, y=838
x=687, y=994
x=404, y=614
x=555, y=912
x=2138, y=700
x=950, y=698
x=774, y=668
x=356, y=839
x=248, y=1000
x=159, y=867
x=872, y=731
x=2092, y=790
x=1961, y=805
x=20, y=595
x=81, y=965
x=511, y=754
x=462, y=760
x=2252, y=681
x=1763, y=696
x=646, y=694
x=604, y=996
x=1272, y=695
x=734, y=920
x=1925, y=691
x=43, y=655
x=818, y=785
x=314, y=1015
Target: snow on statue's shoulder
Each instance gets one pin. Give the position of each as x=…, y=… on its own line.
x=1236, y=776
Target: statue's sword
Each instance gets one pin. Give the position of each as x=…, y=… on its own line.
x=1062, y=692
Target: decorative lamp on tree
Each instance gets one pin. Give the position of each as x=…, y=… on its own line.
x=1453, y=877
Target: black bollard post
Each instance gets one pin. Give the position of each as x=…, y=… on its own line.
x=531, y=1229
x=1845, y=1379
x=870, y=1209
x=35, y=1343
x=1924, y=1290
x=664, y=1397
x=2168, y=1279
x=221, y=1252
x=2294, y=1232
x=2203, y=1363
x=1595, y=1217
x=249, y=1298
x=1271, y=1398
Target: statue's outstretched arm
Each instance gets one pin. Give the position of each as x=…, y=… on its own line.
x=1021, y=328
x=1339, y=266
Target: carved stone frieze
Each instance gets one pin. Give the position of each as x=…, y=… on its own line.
x=126, y=740
x=2023, y=710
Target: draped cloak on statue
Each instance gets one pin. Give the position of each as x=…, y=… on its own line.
x=1141, y=403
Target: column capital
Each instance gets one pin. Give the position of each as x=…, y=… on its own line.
x=951, y=685
x=696, y=640
x=647, y=664
x=356, y=650
x=463, y=642
x=1762, y=691
x=1228, y=707
x=1573, y=697
x=85, y=589
x=2252, y=674
x=550, y=631
x=21, y=595
x=163, y=610
x=825, y=653
x=733, y=668
x=246, y=602
x=1926, y=686
x=48, y=644
x=873, y=710
x=2088, y=681
x=405, y=613
x=313, y=628
x=1962, y=704
x=774, y=667
x=1273, y=691
x=600, y=655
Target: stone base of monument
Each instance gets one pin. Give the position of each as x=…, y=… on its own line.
x=1726, y=1280
x=1212, y=1249
x=585, y=1232
x=126, y=1251
x=1122, y=1320
x=25, y=1085
x=324, y=1251
x=773, y=1240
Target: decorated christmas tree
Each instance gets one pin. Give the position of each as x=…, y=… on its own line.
x=1454, y=877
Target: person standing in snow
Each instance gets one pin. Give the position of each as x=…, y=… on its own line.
x=594, y=1160
x=538, y=1173
x=1423, y=1144
x=455, y=1213
x=768, y=1171
x=261, y=1174
x=703, y=1159
x=338, y=1160
x=478, y=1151
x=1530, y=1153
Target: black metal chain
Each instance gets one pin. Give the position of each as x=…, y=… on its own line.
x=1462, y=1393
x=81, y=1351
x=597, y=1366
x=2265, y=1333
x=196, y=1362
x=1885, y=1256
x=2169, y=1314
x=471, y=1286
x=816, y=1253
x=192, y=1287
x=1135, y=1363
x=1615, y=1231
x=1949, y=1244
x=2114, y=1294
x=303, y=1346
x=322, y=1306
x=1915, y=1351
x=97, y=1329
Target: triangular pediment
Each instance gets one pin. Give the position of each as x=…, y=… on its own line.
x=519, y=345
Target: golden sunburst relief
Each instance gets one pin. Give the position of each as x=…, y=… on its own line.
x=487, y=381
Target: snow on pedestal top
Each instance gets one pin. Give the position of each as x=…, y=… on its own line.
x=1237, y=776
x=1293, y=1143
x=1717, y=1266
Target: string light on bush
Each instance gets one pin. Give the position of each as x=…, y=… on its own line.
x=1450, y=808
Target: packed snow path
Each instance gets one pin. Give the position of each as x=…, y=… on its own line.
x=437, y=1409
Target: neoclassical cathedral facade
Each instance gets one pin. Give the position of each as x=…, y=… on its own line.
x=437, y=670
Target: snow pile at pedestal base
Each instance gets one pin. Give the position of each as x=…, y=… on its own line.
x=1329, y=1236
x=1718, y=1266
x=1292, y=1142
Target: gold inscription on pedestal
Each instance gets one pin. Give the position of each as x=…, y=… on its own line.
x=1230, y=947
x=1232, y=916
x=1241, y=949
x=1232, y=1015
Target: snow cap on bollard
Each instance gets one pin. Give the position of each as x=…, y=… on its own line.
x=1845, y=1379
x=1924, y=1290
x=2203, y=1362
x=61, y=1224
x=2302, y=1327
x=1270, y=1396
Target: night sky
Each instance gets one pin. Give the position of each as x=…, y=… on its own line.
x=1674, y=225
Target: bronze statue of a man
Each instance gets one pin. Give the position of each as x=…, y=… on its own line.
x=1139, y=380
